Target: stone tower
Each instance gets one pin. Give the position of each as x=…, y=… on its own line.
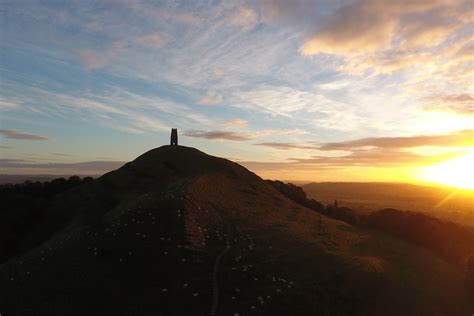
x=174, y=137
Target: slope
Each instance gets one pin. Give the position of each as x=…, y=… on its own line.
x=178, y=232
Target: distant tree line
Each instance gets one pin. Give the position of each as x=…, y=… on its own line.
x=449, y=241
x=26, y=208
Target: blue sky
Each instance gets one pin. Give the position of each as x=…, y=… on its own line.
x=267, y=83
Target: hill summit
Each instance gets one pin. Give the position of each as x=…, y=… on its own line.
x=179, y=232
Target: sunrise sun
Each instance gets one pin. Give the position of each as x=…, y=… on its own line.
x=457, y=172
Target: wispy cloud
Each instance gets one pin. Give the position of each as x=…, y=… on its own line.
x=117, y=109
x=222, y=135
x=458, y=103
x=6, y=105
x=156, y=39
x=455, y=139
x=211, y=99
x=463, y=138
x=242, y=136
x=237, y=122
x=19, y=166
x=378, y=157
x=245, y=17
x=152, y=12
x=371, y=25
x=289, y=146
x=61, y=154
x=99, y=58
x=280, y=100
x=21, y=135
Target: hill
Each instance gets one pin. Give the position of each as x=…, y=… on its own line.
x=179, y=232
x=443, y=202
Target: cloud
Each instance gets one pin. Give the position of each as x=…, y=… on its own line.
x=425, y=29
x=377, y=157
x=156, y=39
x=235, y=123
x=98, y=59
x=224, y=135
x=211, y=99
x=182, y=17
x=118, y=108
x=455, y=139
x=289, y=146
x=280, y=100
x=9, y=104
x=229, y=135
x=368, y=146
x=352, y=29
x=61, y=154
x=19, y=166
x=152, y=12
x=371, y=25
x=458, y=103
x=351, y=167
x=244, y=17
x=95, y=26
x=387, y=36
x=22, y=136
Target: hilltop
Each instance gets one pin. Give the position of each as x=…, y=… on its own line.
x=179, y=232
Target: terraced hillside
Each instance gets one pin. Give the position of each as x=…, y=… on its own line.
x=178, y=232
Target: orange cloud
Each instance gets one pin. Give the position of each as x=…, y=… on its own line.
x=463, y=138
x=222, y=135
x=235, y=123
x=373, y=26
x=290, y=146
x=455, y=139
x=351, y=30
x=377, y=157
x=459, y=103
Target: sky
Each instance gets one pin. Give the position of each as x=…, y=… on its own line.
x=309, y=90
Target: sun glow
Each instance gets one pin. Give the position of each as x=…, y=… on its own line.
x=457, y=172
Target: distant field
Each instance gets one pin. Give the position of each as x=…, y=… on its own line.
x=442, y=202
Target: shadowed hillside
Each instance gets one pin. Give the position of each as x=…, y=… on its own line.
x=179, y=232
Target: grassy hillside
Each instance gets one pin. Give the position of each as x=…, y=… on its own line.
x=177, y=232
x=442, y=202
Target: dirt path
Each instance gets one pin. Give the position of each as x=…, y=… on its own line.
x=215, y=280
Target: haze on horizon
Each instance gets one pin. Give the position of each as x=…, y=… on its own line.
x=321, y=90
